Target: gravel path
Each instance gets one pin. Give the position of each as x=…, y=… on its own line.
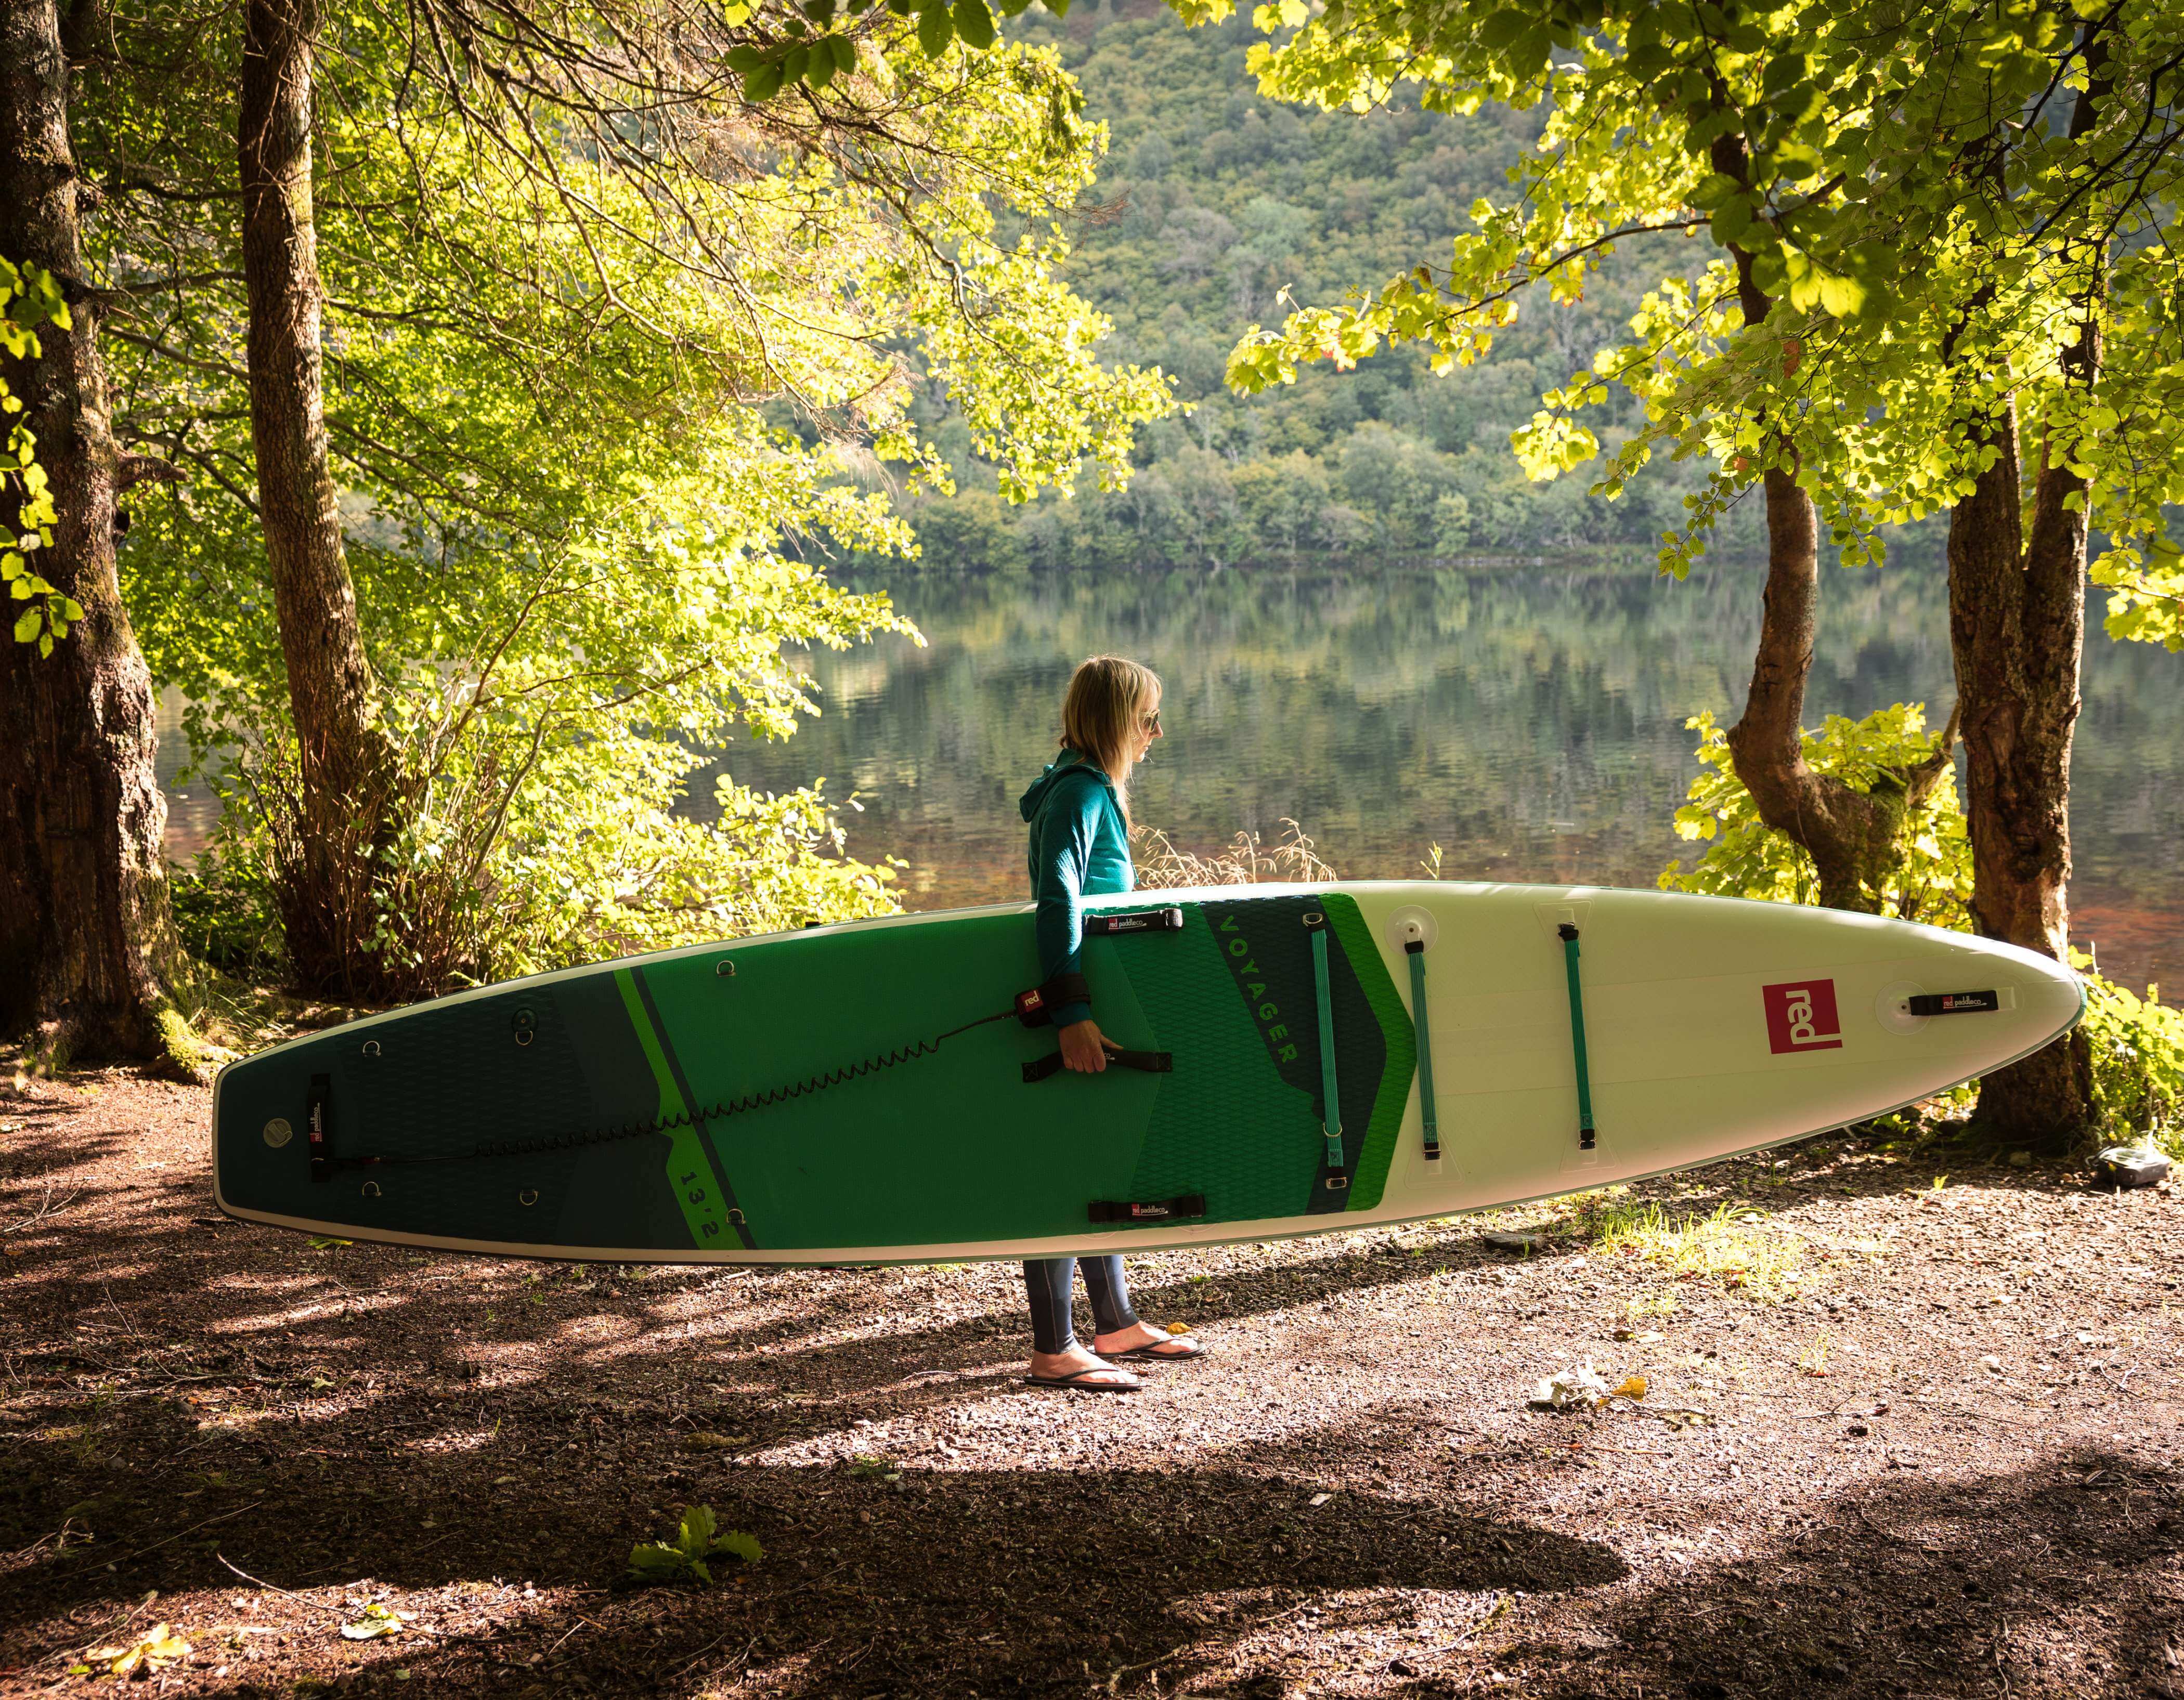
x=1946, y=1463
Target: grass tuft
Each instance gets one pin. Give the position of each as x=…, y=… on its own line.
x=1736, y=1247
x=1245, y=862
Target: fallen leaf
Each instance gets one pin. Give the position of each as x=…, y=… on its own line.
x=377, y=1621
x=154, y=1650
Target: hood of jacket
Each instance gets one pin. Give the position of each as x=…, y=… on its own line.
x=1071, y=763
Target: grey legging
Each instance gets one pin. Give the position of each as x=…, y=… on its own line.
x=1048, y=1280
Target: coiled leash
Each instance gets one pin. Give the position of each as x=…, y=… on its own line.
x=1033, y=1008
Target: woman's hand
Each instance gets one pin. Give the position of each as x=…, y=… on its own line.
x=1084, y=1048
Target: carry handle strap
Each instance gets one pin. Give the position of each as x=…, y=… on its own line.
x=1428, y=1115
x=1330, y=1124
x=1166, y=920
x=1112, y=1210
x=1146, y=1062
x=1567, y=934
x=1036, y=1008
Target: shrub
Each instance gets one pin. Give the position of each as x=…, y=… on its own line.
x=1745, y=858
x=2138, y=1060
x=519, y=849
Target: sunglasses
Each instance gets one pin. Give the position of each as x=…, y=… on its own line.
x=1151, y=722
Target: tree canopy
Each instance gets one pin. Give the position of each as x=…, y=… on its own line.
x=620, y=343
x=1931, y=199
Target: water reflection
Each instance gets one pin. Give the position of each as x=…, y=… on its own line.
x=1531, y=723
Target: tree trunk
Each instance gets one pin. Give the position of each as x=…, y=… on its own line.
x=2017, y=627
x=1853, y=836
x=342, y=751
x=83, y=901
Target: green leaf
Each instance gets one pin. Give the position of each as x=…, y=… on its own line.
x=1502, y=29
x=974, y=23
x=845, y=52
x=698, y=1528
x=739, y=1545
x=656, y=1558
x=935, y=30
x=696, y=1540
x=763, y=84
x=796, y=61
x=1716, y=189
x=1732, y=221
x=27, y=628
x=1841, y=297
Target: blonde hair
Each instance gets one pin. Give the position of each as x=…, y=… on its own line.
x=1107, y=700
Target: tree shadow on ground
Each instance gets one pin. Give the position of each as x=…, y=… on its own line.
x=191, y=1391
x=984, y=1577
x=2053, y=1580
x=785, y=1350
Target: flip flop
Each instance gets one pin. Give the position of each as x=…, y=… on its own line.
x=1152, y=1353
x=1074, y=1382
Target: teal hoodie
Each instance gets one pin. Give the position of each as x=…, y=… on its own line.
x=1080, y=849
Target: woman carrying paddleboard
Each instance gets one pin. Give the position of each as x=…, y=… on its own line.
x=1080, y=847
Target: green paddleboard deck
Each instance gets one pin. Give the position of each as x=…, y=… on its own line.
x=760, y=1100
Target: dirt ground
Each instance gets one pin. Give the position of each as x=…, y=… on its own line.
x=1910, y=1441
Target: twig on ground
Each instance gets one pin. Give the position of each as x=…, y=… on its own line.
x=739, y=1659
x=317, y=1605
x=127, y=1557
x=1115, y=1677
x=46, y=1208
x=581, y=1623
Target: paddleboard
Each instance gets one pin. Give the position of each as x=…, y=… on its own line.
x=880, y=1090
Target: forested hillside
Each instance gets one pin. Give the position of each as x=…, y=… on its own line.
x=1210, y=202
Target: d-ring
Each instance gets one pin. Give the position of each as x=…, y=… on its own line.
x=371, y=1190
x=528, y=1196
x=371, y=1048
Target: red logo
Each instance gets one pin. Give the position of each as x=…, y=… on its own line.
x=1801, y=1016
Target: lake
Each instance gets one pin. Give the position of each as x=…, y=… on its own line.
x=1529, y=721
